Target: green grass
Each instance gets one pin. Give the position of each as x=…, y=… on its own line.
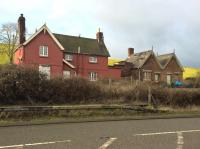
x=98, y=115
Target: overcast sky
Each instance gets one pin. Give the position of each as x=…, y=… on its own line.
x=165, y=24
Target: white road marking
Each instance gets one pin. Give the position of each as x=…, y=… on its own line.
x=169, y=132
x=180, y=141
x=34, y=144
x=108, y=143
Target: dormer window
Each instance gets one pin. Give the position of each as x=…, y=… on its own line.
x=43, y=51
x=68, y=57
x=93, y=59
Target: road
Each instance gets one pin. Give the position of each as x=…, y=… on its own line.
x=134, y=134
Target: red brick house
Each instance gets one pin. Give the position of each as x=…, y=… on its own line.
x=146, y=66
x=64, y=55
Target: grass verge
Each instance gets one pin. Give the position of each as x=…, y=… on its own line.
x=89, y=114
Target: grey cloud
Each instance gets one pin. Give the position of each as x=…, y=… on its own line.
x=168, y=25
x=165, y=24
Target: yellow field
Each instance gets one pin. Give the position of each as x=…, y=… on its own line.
x=3, y=57
x=190, y=72
x=112, y=61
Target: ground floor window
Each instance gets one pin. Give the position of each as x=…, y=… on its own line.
x=93, y=76
x=169, y=79
x=45, y=69
x=157, y=77
x=147, y=76
x=66, y=74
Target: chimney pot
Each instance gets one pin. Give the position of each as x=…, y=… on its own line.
x=130, y=51
x=99, y=36
x=21, y=27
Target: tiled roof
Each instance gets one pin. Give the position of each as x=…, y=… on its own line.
x=164, y=59
x=138, y=59
x=89, y=46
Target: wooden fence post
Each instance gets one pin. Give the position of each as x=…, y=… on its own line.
x=131, y=80
x=110, y=82
x=149, y=95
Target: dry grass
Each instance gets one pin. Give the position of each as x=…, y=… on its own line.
x=25, y=86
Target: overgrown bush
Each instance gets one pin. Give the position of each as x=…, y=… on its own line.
x=75, y=90
x=19, y=85
x=177, y=97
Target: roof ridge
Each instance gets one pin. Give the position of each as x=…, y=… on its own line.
x=165, y=54
x=144, y=51
x=75, y=36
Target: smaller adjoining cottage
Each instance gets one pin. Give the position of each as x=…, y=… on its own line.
x=146, y=66
x=59, y=55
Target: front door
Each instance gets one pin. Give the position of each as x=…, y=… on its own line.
x=66, y=74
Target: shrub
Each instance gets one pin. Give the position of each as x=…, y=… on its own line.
x=75, y=90
x=20, y=85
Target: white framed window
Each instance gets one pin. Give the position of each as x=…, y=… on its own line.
x=66, y=74
x=68, y=57
x=93, y=76
x=147, y=76
x=43, y=51
x=93, y=59
x=157, y=77
x=169, y=79
x=45, y=70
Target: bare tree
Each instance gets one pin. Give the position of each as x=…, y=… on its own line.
x=8, y=39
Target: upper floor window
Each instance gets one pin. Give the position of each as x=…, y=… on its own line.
x=68, y=57
x=93, y=59
x=43, y=51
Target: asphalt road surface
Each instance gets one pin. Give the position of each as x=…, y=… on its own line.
x=134, y=134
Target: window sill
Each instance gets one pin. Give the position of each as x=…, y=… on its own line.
x=147, y=80
x=93, y=62
x=93, y=80
x=44, y=56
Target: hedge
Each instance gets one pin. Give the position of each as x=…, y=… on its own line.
x=26, y=86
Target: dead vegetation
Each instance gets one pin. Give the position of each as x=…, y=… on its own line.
x=25, y=86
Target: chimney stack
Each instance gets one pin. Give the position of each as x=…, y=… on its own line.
x=22, y=29
x=99, y=36
x=130, y=51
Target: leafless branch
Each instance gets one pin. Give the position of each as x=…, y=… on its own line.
x=8, y=39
